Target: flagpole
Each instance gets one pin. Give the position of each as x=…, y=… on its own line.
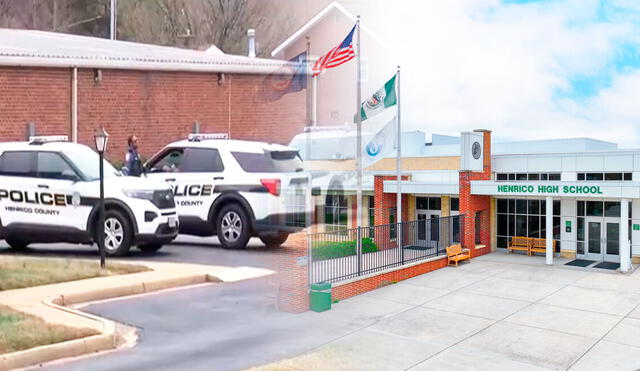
x=399, y=169
x=309, y=100
x=359, y=147
x=314, y=117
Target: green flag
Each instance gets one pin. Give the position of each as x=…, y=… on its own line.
x=382, y=99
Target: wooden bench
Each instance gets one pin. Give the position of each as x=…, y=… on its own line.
x=540, y=245
x=455, y=254
x=520, y=243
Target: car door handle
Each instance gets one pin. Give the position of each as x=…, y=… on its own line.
x=43, y=186
x=218, y=178
x=170, y=179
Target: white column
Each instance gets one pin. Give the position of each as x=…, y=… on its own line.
x=625, y=253
x=549, y=229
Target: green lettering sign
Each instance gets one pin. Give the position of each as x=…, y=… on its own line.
x=550, y=189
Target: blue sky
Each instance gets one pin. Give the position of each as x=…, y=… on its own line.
x=527, y=69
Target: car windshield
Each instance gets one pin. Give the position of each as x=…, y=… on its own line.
x=86, y=160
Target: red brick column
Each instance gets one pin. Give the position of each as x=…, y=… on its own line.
x=383, y=202
x=292, y=276
x=470, y=204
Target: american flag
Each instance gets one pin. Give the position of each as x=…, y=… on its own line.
x=340, y=54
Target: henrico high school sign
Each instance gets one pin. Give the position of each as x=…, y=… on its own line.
x=557, y=189
x=553, y=189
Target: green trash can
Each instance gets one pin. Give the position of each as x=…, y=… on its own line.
x=320, y=296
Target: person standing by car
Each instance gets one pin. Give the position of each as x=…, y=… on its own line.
x=132, y=163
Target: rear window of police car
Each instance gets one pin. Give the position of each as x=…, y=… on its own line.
x=269, y=161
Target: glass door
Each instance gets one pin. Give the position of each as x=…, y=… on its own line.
x=428, y=228
x=422, y=229
x=602, y=239
x=612, y=241
x=593, y=249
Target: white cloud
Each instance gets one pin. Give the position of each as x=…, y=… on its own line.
x=469, y=64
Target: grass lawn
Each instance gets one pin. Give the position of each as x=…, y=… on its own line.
x=19, y=331
x=322, y=250
x=18, y=272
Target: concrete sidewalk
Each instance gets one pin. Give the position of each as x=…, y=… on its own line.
x=52, y=303
x=498, y=312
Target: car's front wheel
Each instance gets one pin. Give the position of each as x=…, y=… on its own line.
x=150, y=248
x=118, y=233
x=274, y=240
x=17, y=243
x=232, y=226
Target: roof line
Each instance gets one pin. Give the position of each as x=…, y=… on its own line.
x=317, y=18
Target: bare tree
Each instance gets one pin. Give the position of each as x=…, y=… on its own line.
x=182, y=23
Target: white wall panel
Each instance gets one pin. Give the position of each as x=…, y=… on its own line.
x=509, y=164
x=544, y=164
x=569, y=163
x=590, y=163
x=618, y=163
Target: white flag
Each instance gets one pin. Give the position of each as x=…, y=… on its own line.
x=381, y=145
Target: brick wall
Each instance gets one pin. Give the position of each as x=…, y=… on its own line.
x=371, y=283
x=159, y=107
x=470, y=205
x=39, y=95
x=383, y=202
x=292, y=277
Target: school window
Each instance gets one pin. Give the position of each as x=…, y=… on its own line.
x=525, y=218
x=335, y=213
x=372, y=211
x=607, y=177
x=372, y=217
x=454, y=204
x=527, y=176
x=428, y=203
x=392, y=221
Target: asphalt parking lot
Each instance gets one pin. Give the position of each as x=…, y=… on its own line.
x=209, y=327
x=185, y=249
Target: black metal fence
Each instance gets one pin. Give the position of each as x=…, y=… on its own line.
x=334, y=256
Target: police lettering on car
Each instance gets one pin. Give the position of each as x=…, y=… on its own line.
x=235, y=189
x=49, y=193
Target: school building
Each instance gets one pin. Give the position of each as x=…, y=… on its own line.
x=581, y=195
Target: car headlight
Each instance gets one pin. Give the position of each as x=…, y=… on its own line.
x=137, y=193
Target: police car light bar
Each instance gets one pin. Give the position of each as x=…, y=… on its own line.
x=200, y=137
x=48, y=139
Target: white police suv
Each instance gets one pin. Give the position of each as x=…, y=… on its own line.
x=49, y=192
x=235, y=189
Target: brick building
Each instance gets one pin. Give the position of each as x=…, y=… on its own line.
x=580, y=196
x=72, y=85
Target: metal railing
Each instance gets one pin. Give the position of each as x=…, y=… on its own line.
x=334, y=256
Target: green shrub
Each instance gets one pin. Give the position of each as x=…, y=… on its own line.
x=323, y=250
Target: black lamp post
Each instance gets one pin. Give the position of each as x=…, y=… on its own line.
x=102, y=138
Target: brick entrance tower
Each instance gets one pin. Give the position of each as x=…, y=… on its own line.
x=477, y=209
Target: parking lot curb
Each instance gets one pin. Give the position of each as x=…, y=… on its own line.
x=106, y=340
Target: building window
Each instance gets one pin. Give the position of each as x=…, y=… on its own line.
x=335, y=213
x=525, y=218
x=454, y=204
x=428, y=203
x=607, y=177
x=372, y=217
x=392, y=223
x=527, y=176
x=372, y=211
x=478, y=227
